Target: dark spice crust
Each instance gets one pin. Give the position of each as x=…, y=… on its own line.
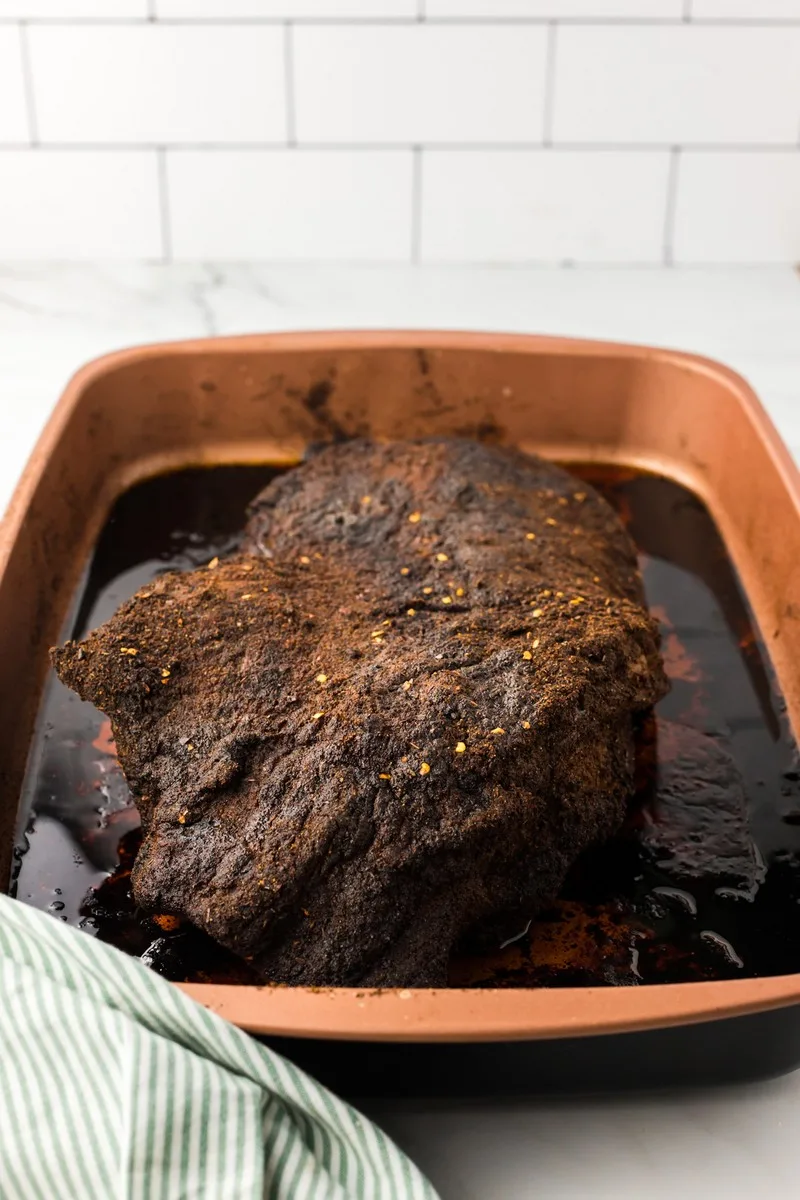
x=405, y=708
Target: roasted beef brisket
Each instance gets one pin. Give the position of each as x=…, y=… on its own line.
x=403, y=710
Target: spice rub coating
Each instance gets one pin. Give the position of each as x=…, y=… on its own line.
x=403, y=710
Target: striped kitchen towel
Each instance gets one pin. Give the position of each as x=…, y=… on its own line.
x=113, y=1084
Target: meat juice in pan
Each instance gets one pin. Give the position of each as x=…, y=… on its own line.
x=703, y=882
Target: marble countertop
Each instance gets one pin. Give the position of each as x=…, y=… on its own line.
x=736, y=1142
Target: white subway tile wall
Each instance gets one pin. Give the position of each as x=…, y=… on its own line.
x=754, y=10
x=641, y=10
x=108, y=10
x=739, y=208
x=419, y=83
x=82, y=204
x=287, y=9
x=158, y=83
x=13, y=109
x=677, y=85
x=545, y=206
x=567, y=131
x=291, y=204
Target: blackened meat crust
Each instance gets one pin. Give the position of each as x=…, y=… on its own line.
x=405, y=708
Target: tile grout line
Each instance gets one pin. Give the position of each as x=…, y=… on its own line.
x=163, y=203
x=151, y=10
x=687, y=10
x=416, y=204
x=388, y=22
x=421, y=14
x=288, y=74
x=549, y=84
x=671, y=206
x=332, y=147
x=27, y=83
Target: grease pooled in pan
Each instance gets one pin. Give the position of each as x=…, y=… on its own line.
x=702, y=883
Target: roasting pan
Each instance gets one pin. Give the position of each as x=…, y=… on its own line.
x=255, y=399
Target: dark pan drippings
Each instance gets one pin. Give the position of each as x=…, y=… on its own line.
x=702, y=883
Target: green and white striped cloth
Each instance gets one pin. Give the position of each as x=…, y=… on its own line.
x=116, y=1086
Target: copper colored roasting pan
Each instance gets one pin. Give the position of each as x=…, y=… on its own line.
x=140, y=412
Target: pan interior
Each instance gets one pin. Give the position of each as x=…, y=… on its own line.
x=702, y=883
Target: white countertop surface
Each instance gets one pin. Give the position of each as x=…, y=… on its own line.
x=732, y=1142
